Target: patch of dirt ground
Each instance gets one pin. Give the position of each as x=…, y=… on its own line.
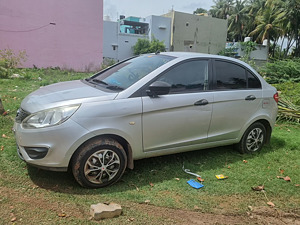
x=259, y=215
x=17, y=208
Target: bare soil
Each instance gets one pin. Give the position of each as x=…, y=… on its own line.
x=18, y=208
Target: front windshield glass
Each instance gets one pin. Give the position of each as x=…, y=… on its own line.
x=123, y=75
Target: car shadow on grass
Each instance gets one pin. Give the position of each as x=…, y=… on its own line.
x=156, y=170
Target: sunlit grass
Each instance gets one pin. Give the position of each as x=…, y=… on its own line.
x=168, y=181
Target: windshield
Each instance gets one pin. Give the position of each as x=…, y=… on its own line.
x=123, y=75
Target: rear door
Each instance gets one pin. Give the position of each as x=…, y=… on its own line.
x=237, y=97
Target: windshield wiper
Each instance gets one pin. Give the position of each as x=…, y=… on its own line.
x=114, y=87
x=99, y=81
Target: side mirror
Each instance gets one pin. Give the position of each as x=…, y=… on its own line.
x=158, y=88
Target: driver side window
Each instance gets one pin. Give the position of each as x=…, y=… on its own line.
x=191, y=76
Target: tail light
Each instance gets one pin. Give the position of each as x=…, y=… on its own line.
x=276, y=97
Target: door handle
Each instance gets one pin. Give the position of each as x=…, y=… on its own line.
x=201, y=102
x=250, y=98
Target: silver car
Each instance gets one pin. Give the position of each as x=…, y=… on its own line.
x=150, y=105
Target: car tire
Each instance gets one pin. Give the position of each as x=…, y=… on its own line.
x=253, y=139
x=99, y=163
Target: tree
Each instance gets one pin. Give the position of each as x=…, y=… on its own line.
x=253, y=8
x=267, y=25
x=238, y=20
x=291, y=24
x=199, y=11
x=222, y=9
x=143, y=46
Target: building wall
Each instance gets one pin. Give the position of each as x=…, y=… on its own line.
x=126, y=43
x=110, y=39
x=197, y=33
x=74, y=40
x=117, y=45
x=160, y=28
x=260, y=53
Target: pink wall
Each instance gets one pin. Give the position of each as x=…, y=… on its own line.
x=74, y=42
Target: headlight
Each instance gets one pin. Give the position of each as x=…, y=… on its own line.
x=50, y=117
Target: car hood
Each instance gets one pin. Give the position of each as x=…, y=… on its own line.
x=64, y=93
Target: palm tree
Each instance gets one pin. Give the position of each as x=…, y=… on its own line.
x=291, y=23
x=267, y=25
x=221, y=9
x=253, y=9
x=238, y=20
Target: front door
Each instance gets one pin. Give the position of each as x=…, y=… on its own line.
x=181, y=118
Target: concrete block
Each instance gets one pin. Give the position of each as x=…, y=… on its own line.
x=103, y=211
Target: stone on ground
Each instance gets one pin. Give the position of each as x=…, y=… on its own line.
x=103, y=211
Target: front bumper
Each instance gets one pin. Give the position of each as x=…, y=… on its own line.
x=49, y=148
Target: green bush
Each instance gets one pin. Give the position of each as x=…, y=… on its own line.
x=281, y=71
x=289, y=90
x=230, y=52
x=143, y=46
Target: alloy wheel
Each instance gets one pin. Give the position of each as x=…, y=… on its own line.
x=255, y=140
x=102, y=166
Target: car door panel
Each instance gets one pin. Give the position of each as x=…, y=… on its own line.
x=231, y=111
x=174, y=121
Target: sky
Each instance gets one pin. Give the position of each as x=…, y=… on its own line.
x=144, y=8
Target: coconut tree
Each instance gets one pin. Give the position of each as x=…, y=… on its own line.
x=268, y=25
x=238, y=20
x=253, y=9
x=291, y=23
x=221, y=9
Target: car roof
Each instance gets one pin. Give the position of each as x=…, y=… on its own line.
x=190, y=55
x=185, y=54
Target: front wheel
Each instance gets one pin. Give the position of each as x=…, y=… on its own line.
x=253, y=139
x=99, y=163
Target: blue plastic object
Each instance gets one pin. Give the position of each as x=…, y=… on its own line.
x=195, y=184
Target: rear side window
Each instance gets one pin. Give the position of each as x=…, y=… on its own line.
x=253, y=81
x=230, y=76
x=233, y=76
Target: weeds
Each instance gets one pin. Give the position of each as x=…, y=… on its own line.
x=9, y=60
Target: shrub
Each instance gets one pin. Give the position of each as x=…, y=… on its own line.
x=230, y=52
x=281, y=71
x=10, y=60
x=289, y=90
x=143, y=46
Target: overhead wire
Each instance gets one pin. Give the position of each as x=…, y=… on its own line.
x=34, y=29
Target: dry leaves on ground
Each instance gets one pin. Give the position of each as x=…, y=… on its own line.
x=286, y=178
x=5, y=136
x=258, y=188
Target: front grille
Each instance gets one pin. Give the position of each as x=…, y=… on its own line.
x=21, y=115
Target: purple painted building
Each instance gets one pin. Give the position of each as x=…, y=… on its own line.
x=63, y=33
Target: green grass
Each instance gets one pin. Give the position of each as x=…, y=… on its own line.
x=54, y=190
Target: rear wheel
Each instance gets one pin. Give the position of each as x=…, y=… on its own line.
x=99, y=163
x=253, y=139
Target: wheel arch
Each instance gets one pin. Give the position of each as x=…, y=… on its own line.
x=126, y=146
x=268, y=129
x=265, y=123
